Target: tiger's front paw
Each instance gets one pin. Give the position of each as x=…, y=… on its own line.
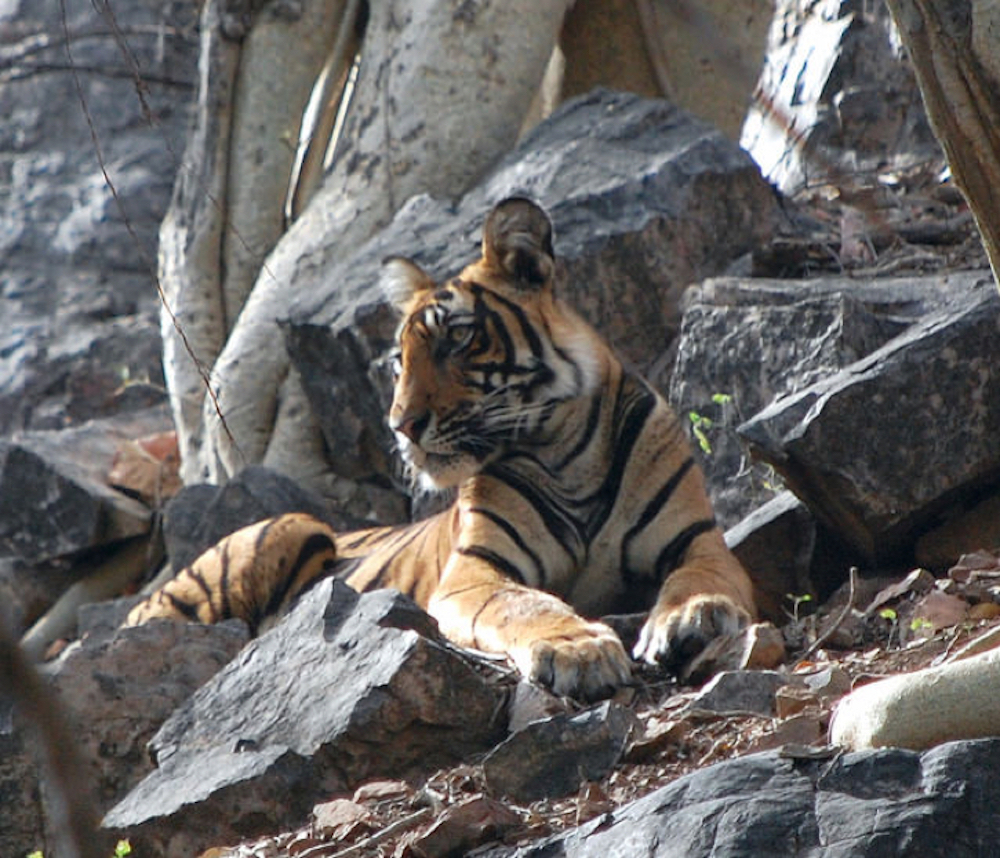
x=589, y=663
x=674, y=635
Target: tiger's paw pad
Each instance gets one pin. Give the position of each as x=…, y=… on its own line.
x=674, y=636
x=590, y=664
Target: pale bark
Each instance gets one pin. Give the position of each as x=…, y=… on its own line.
x=192, y=320
x=280, y=59
x=954, y=50
x=227, y=211
x=440, y=96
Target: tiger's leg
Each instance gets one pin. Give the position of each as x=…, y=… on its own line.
x=709, y=595
x=477, y=606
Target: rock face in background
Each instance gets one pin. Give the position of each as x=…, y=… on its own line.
x=898, y=438
x=754, y=341
x=645, y=200
x=79, y=307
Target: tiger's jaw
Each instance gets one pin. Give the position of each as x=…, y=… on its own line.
x=436, y=471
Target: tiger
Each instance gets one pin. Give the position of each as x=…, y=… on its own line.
x=577, y=491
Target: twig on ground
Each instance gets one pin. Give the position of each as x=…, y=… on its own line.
x=823, y=638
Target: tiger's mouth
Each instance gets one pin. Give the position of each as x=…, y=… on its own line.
x=438, y=469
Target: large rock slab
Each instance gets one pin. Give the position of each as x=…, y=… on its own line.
x=645, y=200
x=877, y=803
x=881, y=449
x=346, y=688
x=553, y=757
x=746, y=342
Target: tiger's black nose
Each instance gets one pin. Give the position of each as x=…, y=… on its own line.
x=412, y=426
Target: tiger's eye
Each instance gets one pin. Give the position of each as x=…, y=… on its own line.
x=460, y=335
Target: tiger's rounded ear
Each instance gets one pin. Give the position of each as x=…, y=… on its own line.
x=402, y=278
x=517, y=239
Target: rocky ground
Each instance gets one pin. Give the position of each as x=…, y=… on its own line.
x=851, y=640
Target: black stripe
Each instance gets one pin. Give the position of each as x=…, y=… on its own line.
x=315, y=544
x=487, y=555
x=567, y=531
x=673, y=552
x=652, y=510
x=186, y=608
x=478, y=614
x=199, y=579
x=636, y=411
x=357, y=540
x=515, y=537
x=403, y=538
x=593, y=419
x=530, y=334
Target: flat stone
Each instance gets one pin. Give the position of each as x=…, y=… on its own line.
x=741, y=691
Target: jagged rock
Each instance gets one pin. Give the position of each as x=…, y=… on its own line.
x=201, y=515
x=555, y=756
x=54, y=496
x=865, y=804
x=736, y=354
x=80, y=337
x=645, y=200
x=775, y=545
x=345, y=688
x=119, y=687
x=925, y=409
x=741, y=691
x=532, y=702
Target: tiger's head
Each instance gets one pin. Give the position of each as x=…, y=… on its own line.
x=484, y=360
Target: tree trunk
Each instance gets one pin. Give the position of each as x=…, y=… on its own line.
x=954, y=49
x=440, y=96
